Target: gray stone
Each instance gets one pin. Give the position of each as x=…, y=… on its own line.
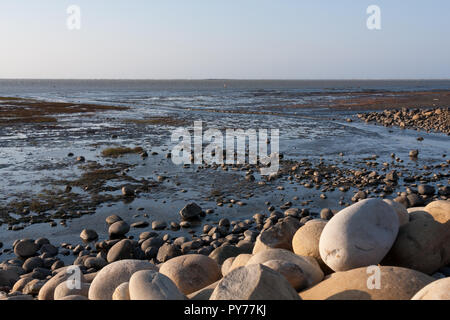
x=358, y=236
x=121, y=251
x=88, y=235
x=190, y=211
x=118, y=229
x=25, y=248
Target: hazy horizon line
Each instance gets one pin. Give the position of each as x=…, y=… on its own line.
x=236, y=79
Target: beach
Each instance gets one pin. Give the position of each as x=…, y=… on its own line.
x=88, y=179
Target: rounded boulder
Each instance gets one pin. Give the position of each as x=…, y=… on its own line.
x=114, y=274
x=191, y=272
x=152, y=285
x=359, y=235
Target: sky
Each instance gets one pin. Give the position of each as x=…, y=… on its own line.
x=233, y=39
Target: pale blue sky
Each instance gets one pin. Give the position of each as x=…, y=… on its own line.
x=242, y=39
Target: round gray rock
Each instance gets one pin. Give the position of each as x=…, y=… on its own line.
x=358, y=236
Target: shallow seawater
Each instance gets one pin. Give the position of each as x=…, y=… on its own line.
x=33, y=158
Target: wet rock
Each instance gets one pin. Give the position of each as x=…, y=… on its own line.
x=139, y=224
x=159, y=225
x=88, y=235
x=254, y=282
x=25, y=248
x=168, y=251
x=292, y=212
x=396, y=284
x=41, y=241
x=32, y=263
x=414, y=153
x=414, y=200
x=95, y=263
x=426, y=190
x=191, y=211
x=191, y=272
x=118, y=229
x=155, y=242
x=121, y=251
x=326, y=214
x=114, y=274
x=360, y=235
x=112, y=219
x=128, y=191
x=151, y=285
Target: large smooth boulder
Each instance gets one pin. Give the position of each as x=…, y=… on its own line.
x=394, y=284
x=308, y=265
x=291, y=271
x=122, y=292
x=254, y=282
x=152, y=285
x=114, y=274
x=423, y=244
x=437, y=290
x=440, y=210
x=66, y=273
x=306, y=241
x=400, y=209
x=65, y=289
x=191, y=272
x=359, y=235
x=239, y=261
x=278, y=236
